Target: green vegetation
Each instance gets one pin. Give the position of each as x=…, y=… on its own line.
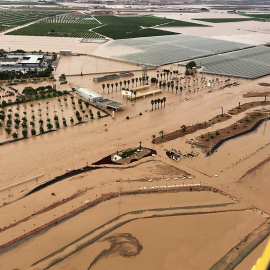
x=258, y=16
x=112, y=26
x=224, y=20
x=10, y=18
x=128, y=153
x=59, y=26
x=131, y=27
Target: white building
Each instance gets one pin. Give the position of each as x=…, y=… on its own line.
x=89, y=94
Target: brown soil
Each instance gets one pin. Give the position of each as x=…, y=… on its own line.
x=256, y=94
x=191, y=129
x=247, y=106
x=264, y=84
x=208, y=140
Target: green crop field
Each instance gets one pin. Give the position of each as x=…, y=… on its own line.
x=83, y=26
x=224, y=20
x=59, y=26
x=258, y=16
x=130, y=27
x=10, y=18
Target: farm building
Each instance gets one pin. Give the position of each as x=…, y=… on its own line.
x=110, y=104
x=89, y=94
x=65, y=52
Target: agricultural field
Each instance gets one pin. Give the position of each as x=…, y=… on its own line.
x=82, y=26
x=10, y=18
x=259, y=16
x=39, y=116
x=224, y=20
x=131, y=27
x=58, y=26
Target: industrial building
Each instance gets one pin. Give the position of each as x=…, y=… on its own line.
x=89, y=94
x=98, y=99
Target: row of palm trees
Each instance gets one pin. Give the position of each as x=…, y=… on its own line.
x=125, y=83
x=157, y=102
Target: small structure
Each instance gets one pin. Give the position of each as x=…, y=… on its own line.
x=65, y=52
x=106, y=78
x=89, y=94
x=110, y=104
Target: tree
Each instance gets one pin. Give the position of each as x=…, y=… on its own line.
x=41, y=129
x=153, y=138
x=156, y=104
x=103, y=87
x=152, y=103
x=24, y=133
x=135, y=94
x=30, y=92
x=158, y=101
x=161, y=102
x=164, y=100
x=8, y=130
x=116, y=85
x=33, y=132
x=49, y=126
x=14, y=135
x=108, y=85
x=98, y=114
x=140, y=79
x=112, y=84
x=62, y=77
x=132, y=80
x=128, y=82
x=183, y=127
x=161, y=133
x=168, y=85
x=87, y=104
x=191, y=65
x=136, y=81
x=71, y=120
x=172, y=86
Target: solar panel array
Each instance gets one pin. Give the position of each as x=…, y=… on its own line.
x=249, y=63
x=161, y=50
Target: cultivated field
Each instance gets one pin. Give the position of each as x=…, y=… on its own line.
x=9, y=18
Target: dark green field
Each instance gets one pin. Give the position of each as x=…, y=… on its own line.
x=258, y=16
x=10, y=18
x=224, y=20
x=111, y=26
x=131, y=27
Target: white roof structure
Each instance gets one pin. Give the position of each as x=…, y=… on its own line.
x=88, y=92
x=31, y=59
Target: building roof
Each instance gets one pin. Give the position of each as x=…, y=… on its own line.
x=31, y=59
x=112, y=104
x=89, y=92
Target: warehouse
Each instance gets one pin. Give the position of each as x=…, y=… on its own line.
x=89, y=94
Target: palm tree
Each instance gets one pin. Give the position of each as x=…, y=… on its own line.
x=125, y=83
x=176, y=88
x=161, y=133
x=164, y=100
x=135, y=94
x=140, y=79
x=136, y=81
x=103, y=87
x=160, y=84
x=164, y=85
x=132, y=80
x=128, y=82
x=181, y=89
x=116, y=85
x=172, y=86
x=112, y=86
x=147, y=77
x=168, y=85
x=156, y=104
x=108, y=85
x=120, y=83
x=152, y=103
x=158, y=101
x=161, y=102
x=161, y=74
